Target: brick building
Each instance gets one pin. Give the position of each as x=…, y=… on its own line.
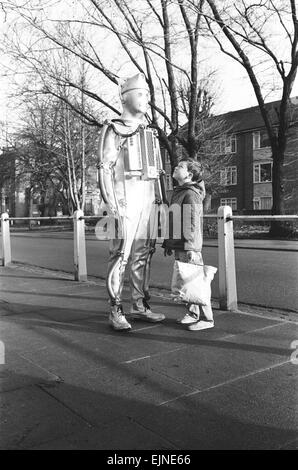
x=247, y=177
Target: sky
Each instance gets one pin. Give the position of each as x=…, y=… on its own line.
x=236, y=91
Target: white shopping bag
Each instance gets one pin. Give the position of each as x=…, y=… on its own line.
x=192, y=282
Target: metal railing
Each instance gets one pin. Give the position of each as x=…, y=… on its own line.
x=226, y=251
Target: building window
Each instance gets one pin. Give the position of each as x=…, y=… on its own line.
x=262, y=203
x=228, y=176
x=229, y=201
x=260, y=139
x=262, y=172
x=167, y=157
x=228, y=144
x=233, y=144
x=169, y=183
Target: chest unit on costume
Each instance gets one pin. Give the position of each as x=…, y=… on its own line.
x=142, y=155
x=126, y=154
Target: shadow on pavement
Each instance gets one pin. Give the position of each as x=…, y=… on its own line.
x=50, y=415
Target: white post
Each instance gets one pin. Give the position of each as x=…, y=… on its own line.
x=226, y=260
x=80, y=264
x=6, y=249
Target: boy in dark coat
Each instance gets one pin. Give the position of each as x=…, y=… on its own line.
x=186, y=239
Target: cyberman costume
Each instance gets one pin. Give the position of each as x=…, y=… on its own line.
x=131, y=178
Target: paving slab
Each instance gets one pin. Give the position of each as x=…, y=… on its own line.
x=126, y=391
x=202, y=367
x=18, y=372
x=256, y=412
x=122, y=435
x=29, y=416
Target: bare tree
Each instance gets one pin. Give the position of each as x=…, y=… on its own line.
x=263, y=38
x=159, y=38
x=54, y=149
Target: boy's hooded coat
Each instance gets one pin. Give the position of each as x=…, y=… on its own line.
x=187, y=207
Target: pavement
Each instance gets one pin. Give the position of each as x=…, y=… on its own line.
x=68, y=381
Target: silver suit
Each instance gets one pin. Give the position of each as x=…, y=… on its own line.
x=130, y=175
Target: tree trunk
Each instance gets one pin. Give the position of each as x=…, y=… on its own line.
x=207, y=203
x=279, y=228
x=192, y=150
x=278, y=207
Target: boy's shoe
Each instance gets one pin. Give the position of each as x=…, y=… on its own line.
x=201, y=325
x=141, y=310
x=188, y=319
x=117, y=319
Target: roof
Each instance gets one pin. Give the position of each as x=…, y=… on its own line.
x=251, y=118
